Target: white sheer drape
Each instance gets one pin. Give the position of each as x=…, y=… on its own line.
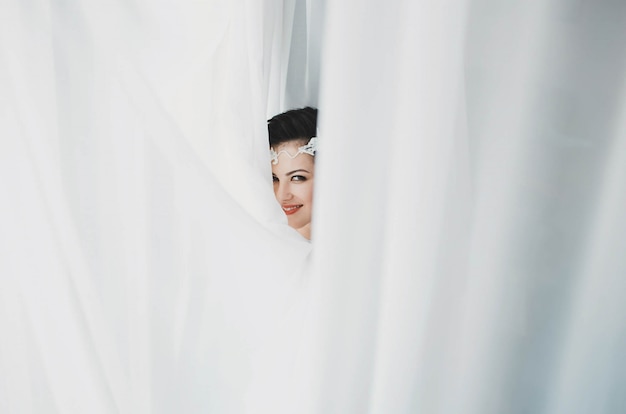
x=146, y=266
x=474, y=162
x=469, y=221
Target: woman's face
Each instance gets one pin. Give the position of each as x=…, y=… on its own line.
x=293, y=186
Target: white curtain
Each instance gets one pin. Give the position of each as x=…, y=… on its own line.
x=473, y=158
x=468, y=229
x=146, y=266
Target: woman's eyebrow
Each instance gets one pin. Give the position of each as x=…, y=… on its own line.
x=295, y=171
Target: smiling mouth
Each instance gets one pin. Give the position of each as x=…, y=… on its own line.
x=291, y=209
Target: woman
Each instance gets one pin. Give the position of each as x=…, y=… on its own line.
x=293, y=141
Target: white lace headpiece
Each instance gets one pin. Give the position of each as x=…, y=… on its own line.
x=309, y=148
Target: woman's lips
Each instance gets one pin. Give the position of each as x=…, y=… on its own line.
x=291, y=208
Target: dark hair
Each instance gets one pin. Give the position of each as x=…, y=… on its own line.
x=296, y=124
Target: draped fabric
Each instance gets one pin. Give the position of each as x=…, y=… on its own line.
x=146, y=266
x=468, y=223
x=474, y=160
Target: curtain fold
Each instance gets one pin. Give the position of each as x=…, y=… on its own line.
x=139, y=268
x=468, y=277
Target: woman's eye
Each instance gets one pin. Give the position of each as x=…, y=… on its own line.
x=298, y=178
x=274, y=178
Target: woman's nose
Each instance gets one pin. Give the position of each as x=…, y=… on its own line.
x=284, y=192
